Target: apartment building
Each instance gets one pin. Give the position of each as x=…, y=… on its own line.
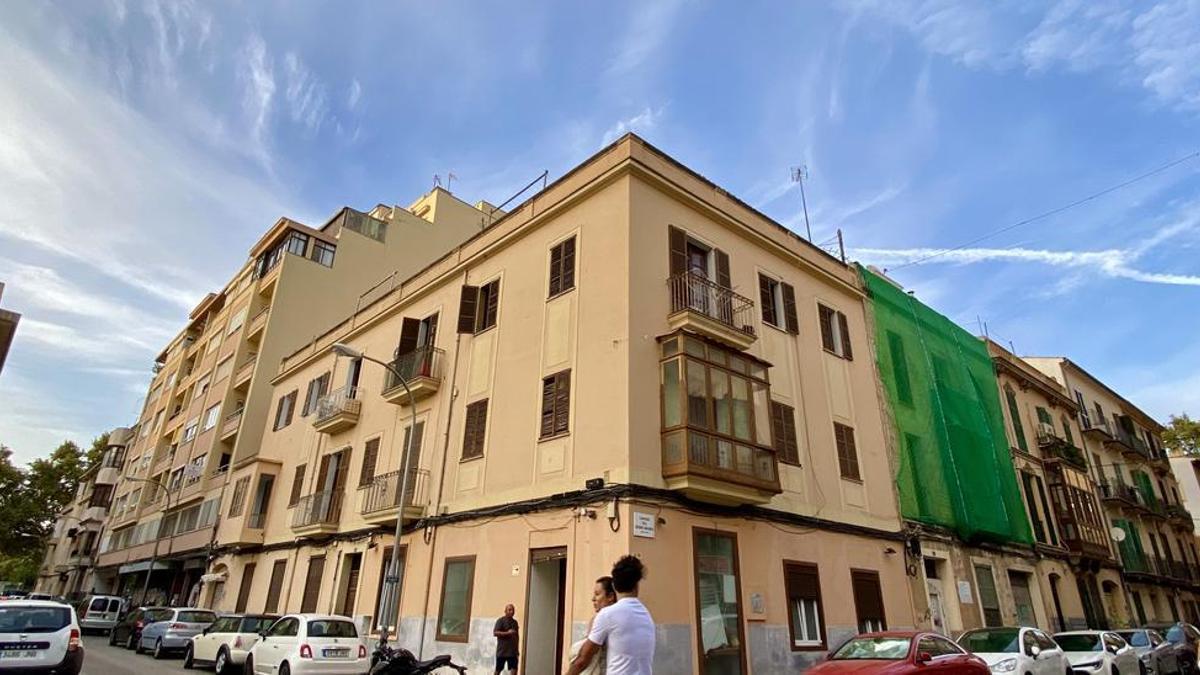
x=8, y=327
x=207, y=406
x=1151, y=527
x=68, y=568
x=632, y=361
x=1186, y=469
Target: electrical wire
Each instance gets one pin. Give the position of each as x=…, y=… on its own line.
x=1046, y=214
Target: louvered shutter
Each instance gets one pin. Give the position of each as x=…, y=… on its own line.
x=312, y=584
x=323, y=475
x=466, y=309
x=409, y=329
x=548, y=391
x=556, y=280
x=244, y=587
x=677, y=242
x=297, y=485
x=343, y=465
x=722, y=268
x=792, y=322
x=767, y=300
x=568, y=264
x=492, y=305
x=847, y=352
x=370, y=458
x=826, y=317
x=291, y=406
x=562, y=402
x=275, y=586
x=414, y=461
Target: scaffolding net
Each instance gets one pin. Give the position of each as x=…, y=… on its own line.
x=954, y=468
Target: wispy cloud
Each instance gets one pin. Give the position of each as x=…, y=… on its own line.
x=258, y=93
x=305, y=94
x=354, y=94
x=643, y=122
x=649, y=27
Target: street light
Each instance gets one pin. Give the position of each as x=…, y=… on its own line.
x=388, y=602
x=153, y=556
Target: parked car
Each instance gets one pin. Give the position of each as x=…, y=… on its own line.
x=900, y=652
x=1186, y=640
x=175, y=630
x=1160, y=656
x=298, y=644
x=1098, y=651
x=40, y=636
x=99, y=612
x=224, y=644
x=128, y=630
x=1025, y=651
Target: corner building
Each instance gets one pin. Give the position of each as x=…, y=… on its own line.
x=632, y=361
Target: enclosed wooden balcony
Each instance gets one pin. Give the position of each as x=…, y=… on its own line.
x=712, y=469
x=421, y=370
x=338, y=410
x=705, y=307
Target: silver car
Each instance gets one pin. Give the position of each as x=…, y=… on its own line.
x=174, y=632
x=1159, y=656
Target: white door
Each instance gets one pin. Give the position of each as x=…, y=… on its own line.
x=276, y=646
x=937, y=613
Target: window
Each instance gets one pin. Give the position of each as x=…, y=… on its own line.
x=718, y=606
x=1039, y=532
x=1014, y=412
x=296, y=243
x=322, y=252
x=989, y=601
x=297, y=485
x=210, y=417
x=189, y=431
x=195, y=469
x=370, y=457
x=868, y=601
x=806, y=616
x=783, y=431
x=213, y=344
x=262, y=498
x=224, y=368
x=283, y=413
x=478, y=307
x=312, y=584
x=475, y=429
x=101, y=496
x=778, y=304
x=317, y=387
x=237, y=320
x=176, y=480
x=454, y=614
x=1041, y=487
x=835, y=335
x=843, y=436
x=562, y=267
x=385, y=562
x=202, y=385
x=556, y=404
x=238, y=503
x=275, y=586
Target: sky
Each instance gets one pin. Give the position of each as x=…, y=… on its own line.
x=145, y=146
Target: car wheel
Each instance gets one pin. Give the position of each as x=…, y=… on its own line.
x=112, y=638
x=130, y=642
x=221, y=665
x=159, y=652
x=139, y=648
x=188, y=657
x=285, y=669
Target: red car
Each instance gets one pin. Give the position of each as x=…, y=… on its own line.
x=901, y=652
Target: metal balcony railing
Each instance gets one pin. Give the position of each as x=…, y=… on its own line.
x=384, y=491
x=344, y=400
x=231, y=422
x=693, y=293
x=1117, y=489
x=319, y=508
x=421, y=362
x=1093, y=423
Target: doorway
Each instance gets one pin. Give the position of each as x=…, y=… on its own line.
x=1022, y=598
x=544, y=609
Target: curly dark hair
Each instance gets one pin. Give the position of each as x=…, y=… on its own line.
x=626, y=573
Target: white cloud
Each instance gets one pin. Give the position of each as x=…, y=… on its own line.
x=258, y=82
x=354, y=94
x=305, y=94
x=641, y=123
x=648, y=29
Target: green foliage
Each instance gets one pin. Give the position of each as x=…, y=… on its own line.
x=1183, y=435
x=96, y=453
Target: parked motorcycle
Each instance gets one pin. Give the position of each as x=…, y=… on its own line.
x=388, y=661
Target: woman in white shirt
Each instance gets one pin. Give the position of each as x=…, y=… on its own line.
x=603, y=595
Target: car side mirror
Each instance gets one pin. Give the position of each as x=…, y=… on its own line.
x=262, y=636
x=205, y=631
x=924, y=657
x=1034, y=650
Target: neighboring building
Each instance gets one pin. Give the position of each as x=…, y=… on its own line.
x=1141, y=498
x=589, y=380
x=208, y=403
x=67, y=570
x=1186, y=469
x=8, y=326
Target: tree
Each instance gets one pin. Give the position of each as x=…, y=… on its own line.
x=1182, y=435
x=96, y=453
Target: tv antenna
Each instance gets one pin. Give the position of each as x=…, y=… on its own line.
x=800, y=175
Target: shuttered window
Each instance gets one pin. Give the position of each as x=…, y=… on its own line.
x=778, y=301
x=989, y=601
x=475, y=429
x=370, y=457
x=297, y=485
x=244, y=587
x=312, y=584
x=317, y=387
x=238, y=503
x=783, y=432
x=1015, y=413
x=478, y=307
x=287, y=406
x=835, y=333
x=275, y=587
x=556, y=403
x=868, y=601
x=562, y=267
x=847, y=452
x=806, y=615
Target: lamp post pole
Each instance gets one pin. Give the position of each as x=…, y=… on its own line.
x=389, y=608
x=154, y=555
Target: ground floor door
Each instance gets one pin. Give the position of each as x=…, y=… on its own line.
x=543, y=633
x=937, y=610
x=1022, y=598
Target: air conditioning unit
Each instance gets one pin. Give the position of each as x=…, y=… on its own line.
x=1046, y=430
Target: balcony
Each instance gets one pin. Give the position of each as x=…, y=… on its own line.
x=1055, y=448
x=1179, y=516
x=1117, y=492
x=338, y=411
x=256, y=521
x=231, y=424
x=317, y=513
x=1098, y=428
x=245, y=371
x=421, y=369
x=708, y=308
x=712, y=469
x=382, y=496
x=258, y=323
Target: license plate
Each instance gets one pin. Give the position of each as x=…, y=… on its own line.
x=337, y=653
x=18, y=654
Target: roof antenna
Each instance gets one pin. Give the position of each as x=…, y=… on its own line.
x=800, y=175
x=450, y=178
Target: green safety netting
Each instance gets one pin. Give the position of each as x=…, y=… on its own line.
x=955, y=469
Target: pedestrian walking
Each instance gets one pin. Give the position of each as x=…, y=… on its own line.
x=507, y=641
x=603, y=595
x=624, y=629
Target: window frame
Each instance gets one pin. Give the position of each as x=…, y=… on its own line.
x=560, y=420
x=290, y=399
x=324, y=248
x=835, y=331
x=213, y=414
x=852, y=448
x=808, y=646
x=784, y=313
x=787, y=417
x=743, y=648
x=465, y=637
x=471, y=426
x=558, y=263
x=873, y=575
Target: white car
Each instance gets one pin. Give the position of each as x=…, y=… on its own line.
x=224, y=644
x=298, y=644
x=1022, y=651
x=39, y=634
x=99, y=612
x=1098, y=651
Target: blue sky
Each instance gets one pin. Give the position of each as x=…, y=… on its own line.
x=145, y=146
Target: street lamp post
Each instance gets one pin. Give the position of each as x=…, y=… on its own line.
x=154, y=555
x=392, y=580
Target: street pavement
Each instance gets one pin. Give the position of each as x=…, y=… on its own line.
x=101, y=659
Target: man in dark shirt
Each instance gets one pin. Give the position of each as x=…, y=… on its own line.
x=507, y=642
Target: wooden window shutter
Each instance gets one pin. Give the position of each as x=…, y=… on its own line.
x=562, y=402
x=767, y=299
x=297, y=485
x=291, y=406
x=312, y=584
x=802, y=581
x=409, y=329
x=491, y=305
x=568, y=264
x=847, y=452
x=343, y=466
x=846, y=351
x=868, y=597
x=310, y=396
x=323, y=475
x=1044, y=416
x=370, y=457
x=722, y=268
x=783, y=430
x=791, y=321
x=556, y=285
x=677, y=243
x=547, y=406
x=244, y=587
x=275, y=586
x=466, y=309
x=826, y=316
x=475, y=429
x=279, y=412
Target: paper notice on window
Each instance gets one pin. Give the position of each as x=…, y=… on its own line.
x=964, y=593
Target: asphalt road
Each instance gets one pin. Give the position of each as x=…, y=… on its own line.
x=101, y=659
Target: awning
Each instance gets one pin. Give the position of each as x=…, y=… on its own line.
x=212, y=578
x=142, y=567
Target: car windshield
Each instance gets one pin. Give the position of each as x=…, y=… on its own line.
x=1079, y=643
x=1136, y=638
x=1175, y=634
x=880, y=648
x=256, y=624
x=157, y=614
x=331, y=628
x=992, y=641
x=194, y=616
x=32, y=619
